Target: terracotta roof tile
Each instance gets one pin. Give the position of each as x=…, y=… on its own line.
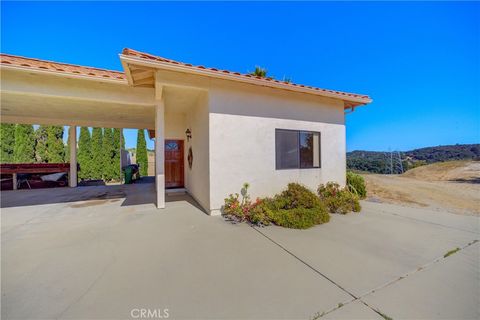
x=147, y=56
x=7, y=59
x=36, y=64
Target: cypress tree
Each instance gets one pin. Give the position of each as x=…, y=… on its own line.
x=84, y=154
x=116, y=154
x=41, y=135
x=107, y=150
x=97, y=153
x=142, y=156
x=55, y=146
x=67, y=148
x=7, y=142
x=24, y=150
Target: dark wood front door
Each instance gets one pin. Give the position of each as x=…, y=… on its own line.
x=174, y=164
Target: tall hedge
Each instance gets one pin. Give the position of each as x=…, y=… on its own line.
x=116, y=154
x=41, y=135
x=7, y=142
x=67, y=148
x=24, y=149
x=97, y=153
x=142, y=155
x=55, y=146
x=84, y=156
x=108, y=154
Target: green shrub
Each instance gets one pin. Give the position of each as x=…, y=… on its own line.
x=356, y=184
x=300, y=218
x=296, y=207
x=259, y=214
x=338, y=200
x=296, y=196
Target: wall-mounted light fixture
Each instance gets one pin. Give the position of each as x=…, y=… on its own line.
x=188, y=133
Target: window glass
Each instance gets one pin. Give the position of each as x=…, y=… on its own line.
x=297, y=149
x=309, y=149
x=171, y=146
x=286, y=145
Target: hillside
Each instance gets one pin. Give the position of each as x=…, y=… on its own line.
x=383, y=162
x=452, y=185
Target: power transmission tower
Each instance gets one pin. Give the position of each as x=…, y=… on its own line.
x=400, y=162
x=393, y=162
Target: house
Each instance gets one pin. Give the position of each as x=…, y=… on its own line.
x=214, y=129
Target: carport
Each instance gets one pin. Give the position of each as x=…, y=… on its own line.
x=42, y=92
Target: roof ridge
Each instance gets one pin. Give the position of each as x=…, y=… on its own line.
x=144, y=55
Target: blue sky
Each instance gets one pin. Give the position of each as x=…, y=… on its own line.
x=418, y=61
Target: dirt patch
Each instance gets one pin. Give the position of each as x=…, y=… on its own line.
x=449, y=185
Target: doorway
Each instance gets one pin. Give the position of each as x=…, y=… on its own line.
x=174, y=164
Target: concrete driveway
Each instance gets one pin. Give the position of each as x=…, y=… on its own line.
x=100, y=259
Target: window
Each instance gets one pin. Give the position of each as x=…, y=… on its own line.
x=297, y=149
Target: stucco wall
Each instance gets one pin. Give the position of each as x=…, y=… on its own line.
x=197, y=178
x=175, y=125
x=242, y=140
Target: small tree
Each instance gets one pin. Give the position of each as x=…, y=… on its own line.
x=84, y=153
x=107, y=150
x=55, y=147
x=24, y=150
x=142, y=155
x=7, y=142
x=97, y=153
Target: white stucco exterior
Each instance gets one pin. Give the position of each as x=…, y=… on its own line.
x=233, y=140
x=198, y=177
x=242, y=140
x=232, y=118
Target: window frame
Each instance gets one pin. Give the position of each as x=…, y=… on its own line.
x=298, y=149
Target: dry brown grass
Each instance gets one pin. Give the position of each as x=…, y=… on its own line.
x=446, y=171
x=452, y=186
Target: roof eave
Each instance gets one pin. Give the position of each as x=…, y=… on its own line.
x=126, y=59
x=62, y=74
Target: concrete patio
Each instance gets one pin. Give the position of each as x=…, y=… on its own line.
x=110, y=251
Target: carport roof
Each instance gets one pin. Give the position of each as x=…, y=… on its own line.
x=44, y=65
x=350, y=99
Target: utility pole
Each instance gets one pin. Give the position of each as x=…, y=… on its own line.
x=400, y=161
x=391, y=162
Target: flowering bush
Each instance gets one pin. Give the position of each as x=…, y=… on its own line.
x=338, y=200
x=239, y=210
x=296, y=207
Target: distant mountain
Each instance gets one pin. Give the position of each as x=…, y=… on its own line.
x=385, y=162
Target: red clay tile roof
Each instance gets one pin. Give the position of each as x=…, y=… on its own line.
x=147, y=56
x=36, y=64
